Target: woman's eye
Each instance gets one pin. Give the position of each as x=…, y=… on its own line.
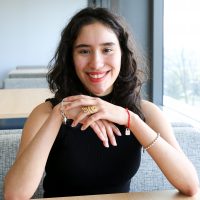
x=84, y=51
x=107, y=50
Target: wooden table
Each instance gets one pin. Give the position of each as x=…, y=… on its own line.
x=18, y=103
x=158, y=195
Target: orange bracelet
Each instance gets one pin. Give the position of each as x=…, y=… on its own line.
x=127, y=132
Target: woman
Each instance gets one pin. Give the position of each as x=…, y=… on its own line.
x=96, y=81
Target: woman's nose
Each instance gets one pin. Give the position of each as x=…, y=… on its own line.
x=97, y=60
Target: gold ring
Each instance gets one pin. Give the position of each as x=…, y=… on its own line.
x=89, y=109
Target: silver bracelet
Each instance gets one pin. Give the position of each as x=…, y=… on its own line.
x=151, y=144
x=64, y=118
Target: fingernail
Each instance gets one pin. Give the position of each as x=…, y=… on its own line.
x=106, y=145
x=73, y=124
x=82, y=128
x=119, y=133
x=114, y=143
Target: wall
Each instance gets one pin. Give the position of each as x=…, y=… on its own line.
x=30, y=30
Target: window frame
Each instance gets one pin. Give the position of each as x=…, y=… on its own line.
x=157, y=73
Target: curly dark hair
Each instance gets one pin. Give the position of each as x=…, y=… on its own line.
x=62, y=77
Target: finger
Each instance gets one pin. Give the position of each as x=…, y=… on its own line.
x=110, y=133
x=115, y=129
x=63, y=104
x=103, y=130
x=90, y=120
x=98, y=131
x=79, y=118
x=81, y=102
x=77, y=97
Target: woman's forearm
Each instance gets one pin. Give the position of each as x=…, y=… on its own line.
x=172, y=162
x=24, y=176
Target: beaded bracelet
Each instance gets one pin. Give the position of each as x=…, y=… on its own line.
x=151, y=144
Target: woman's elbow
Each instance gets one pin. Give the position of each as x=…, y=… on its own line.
x=10, y=195
x=191, y=190
x=14, y=197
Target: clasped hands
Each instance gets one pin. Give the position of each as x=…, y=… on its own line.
x=96, y=113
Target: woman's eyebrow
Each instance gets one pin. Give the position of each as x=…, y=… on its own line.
x=81, y=45
x=108, y=44
x=87, y=45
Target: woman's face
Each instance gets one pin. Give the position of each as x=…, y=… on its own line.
x=97, y=58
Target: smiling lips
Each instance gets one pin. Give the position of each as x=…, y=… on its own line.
x=97, y=76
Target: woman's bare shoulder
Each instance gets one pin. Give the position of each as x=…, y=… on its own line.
x=149, y=108
x=33, y=124
x=38, y=116
x=154, y=116
x=42, y=108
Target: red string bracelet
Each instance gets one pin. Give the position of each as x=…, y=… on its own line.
x=127, y=132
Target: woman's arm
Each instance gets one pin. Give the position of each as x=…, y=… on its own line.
x=38, y=136
x=166, y=152
x=37, y=139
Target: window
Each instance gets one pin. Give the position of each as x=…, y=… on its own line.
x=182, y=57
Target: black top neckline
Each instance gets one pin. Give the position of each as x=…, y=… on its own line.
x=107, y=97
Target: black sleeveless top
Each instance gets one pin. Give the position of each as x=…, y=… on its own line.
x=79, y=164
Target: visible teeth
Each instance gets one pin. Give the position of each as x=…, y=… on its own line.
x=96, y=75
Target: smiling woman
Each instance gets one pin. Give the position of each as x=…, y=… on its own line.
x=96, y=80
